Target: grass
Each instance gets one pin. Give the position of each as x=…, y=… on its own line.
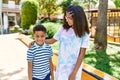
x=107, y=60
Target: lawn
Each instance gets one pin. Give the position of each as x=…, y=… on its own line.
x=107, y=60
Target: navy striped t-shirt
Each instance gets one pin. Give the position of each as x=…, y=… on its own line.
x=39, y=56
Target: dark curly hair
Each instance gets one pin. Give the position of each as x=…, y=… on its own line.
x=39, y=28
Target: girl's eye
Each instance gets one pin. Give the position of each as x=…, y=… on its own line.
x=68, y=18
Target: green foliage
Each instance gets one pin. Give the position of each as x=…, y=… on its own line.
x=64, y=4
x=51, y=28
x=5, y=1
x=15, y=30
x=117, y=3
x=91, y=1
x=44, y=20
x=106, y=60
x=29, y=11
x=83, y=3
x=47, y=7
x=31, y=29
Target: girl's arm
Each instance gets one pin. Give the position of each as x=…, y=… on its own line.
x=31, y=44
x=29, y=70
x=50, y=41
x=78, y=64
x=51, y=69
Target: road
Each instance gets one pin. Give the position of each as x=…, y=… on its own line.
x=13, y=64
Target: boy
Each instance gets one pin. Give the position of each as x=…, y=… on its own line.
x=40, y=65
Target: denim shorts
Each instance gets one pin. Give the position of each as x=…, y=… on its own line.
x=46, y=78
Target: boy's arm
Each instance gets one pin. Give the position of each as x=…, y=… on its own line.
x=29, y=70
x=51, y=69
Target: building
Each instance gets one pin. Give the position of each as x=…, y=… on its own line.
x=10, y=14
x=113, y=21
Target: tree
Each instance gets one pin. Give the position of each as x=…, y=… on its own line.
x=86, y=3
x=64, y=4
x=47, y=7
x=101, y=28
x=5, y=1
x=117, y=3
x=29, y=13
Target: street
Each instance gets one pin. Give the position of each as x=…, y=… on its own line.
x=13, y=63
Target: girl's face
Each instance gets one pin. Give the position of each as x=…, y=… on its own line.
x=69, y=19
x=39, y=37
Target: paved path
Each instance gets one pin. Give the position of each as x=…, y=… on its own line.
x=13, y=64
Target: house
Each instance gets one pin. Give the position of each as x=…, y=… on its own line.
x=10, y=14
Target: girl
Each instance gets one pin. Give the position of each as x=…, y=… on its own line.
x=74, y=39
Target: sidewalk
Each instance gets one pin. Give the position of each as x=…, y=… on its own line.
x=13, y=64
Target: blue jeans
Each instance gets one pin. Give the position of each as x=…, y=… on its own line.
x=46, y=78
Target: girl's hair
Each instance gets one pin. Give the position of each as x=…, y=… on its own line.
x=80, y=24
x=39, y=28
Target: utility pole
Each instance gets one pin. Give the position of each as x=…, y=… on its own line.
x=1, y=26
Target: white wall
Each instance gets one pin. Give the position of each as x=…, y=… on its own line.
x=1, y=27
x=5, y=21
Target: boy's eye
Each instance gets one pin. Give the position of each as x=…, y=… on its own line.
x=37, y=36
x=40, y=36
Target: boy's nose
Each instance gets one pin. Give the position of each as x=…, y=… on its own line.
x=39, y=38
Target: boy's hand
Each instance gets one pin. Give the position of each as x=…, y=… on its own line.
x=52, y=77
x=31, y=44
x=51, y=69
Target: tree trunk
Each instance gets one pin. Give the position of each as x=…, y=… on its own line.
x=101, y=28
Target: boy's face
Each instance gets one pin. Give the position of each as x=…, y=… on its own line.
x=39, y=37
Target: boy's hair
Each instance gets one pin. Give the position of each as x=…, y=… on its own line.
x=80, y=24
x=39, y=28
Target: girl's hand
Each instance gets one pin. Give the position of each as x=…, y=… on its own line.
x=72, y=77
x=31, y=44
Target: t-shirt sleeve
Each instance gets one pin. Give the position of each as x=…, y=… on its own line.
x=58, y=34
x=30, y=55
x=51, y=51
x=85, y=41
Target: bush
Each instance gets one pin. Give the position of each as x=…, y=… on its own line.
x=31, y=29
x=51, y=28
x=54, y=20
x=29, y=11
x=15, y=29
